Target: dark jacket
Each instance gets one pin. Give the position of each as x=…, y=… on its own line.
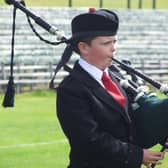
x=99, y=130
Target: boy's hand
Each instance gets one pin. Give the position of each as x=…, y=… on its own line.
x=152, y=157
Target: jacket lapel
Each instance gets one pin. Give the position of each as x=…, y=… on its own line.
x=123, y=92
x=84, y=77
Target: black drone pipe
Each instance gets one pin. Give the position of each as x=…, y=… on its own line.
x=126, y=85
x=156, y=84
x=19, y=4
x=115, y=68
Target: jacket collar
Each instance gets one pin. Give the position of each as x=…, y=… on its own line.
x=84, y=77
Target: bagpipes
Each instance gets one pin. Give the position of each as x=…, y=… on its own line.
x=149, y=111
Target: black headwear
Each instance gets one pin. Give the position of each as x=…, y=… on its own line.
x=98, y=23
x=101, y=22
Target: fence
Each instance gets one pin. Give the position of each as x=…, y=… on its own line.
x=140, y=3
x=128, y=4
x=31, y=77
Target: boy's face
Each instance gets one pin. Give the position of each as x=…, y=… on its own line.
x=100, y=52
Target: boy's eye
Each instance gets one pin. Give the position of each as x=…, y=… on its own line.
x=109, y=42
x=115, y=41
x=106, y=43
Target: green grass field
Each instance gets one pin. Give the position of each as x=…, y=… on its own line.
x=162, y=4
x=31, y=136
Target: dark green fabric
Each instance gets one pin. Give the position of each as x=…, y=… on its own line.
x=151, y=120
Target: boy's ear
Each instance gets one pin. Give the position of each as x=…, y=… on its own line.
x=83, y=47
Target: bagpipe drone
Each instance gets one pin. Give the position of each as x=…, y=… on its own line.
x=20, y=4
x=150, y=111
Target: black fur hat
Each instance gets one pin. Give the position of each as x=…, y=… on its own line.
x=100, y=22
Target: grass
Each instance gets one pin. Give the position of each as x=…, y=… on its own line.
x=25, y=127
x=160, y=4
x=31, y=136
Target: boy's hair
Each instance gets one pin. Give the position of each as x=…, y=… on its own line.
x=87, y=40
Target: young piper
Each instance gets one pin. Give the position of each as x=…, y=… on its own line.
x=92, y=108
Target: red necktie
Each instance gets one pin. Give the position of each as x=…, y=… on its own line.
x=112, y=88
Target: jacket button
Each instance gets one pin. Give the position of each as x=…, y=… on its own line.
x=130, y=138
x=126, y=162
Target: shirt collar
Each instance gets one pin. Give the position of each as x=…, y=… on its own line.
x=91, y=69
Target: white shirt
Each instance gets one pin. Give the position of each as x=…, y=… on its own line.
x=95, y=72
